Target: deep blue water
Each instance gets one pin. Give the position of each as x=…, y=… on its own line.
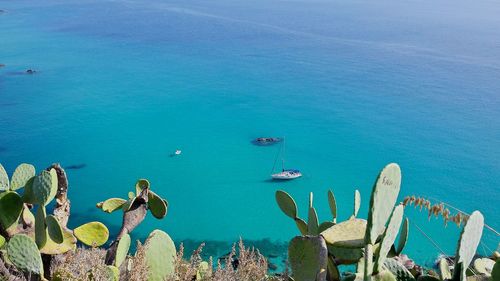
x=353, y=85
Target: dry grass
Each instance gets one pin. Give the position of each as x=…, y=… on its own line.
x=135, y=267
x=82, y=264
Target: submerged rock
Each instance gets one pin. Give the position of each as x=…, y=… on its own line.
x=31, y=71
x=2, y=65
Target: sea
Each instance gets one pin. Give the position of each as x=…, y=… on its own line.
x=119, y=85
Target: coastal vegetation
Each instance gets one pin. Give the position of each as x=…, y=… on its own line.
x=38, y=245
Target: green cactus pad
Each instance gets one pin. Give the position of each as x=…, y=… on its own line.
x=27, y=216
x=286, y=203
x=444, y=269
x=312, y=222
x=347, y=234
x=389, y=237
x=333, y=272
x=301, y=225
x=384, y=195
x=469, y=240
x=11, y=206
x=122, y=249
x=29, y=195
x=92, y=234
x=357, y=203
x=160, y=255
x=333, y=205
x=403, y=236
x=484, y=266
x=203, y=270
x=68, y=244
x=140, y=185
x=23, y=253
x=157, y=205
x=398, y=270
x=495, y=272
x=126, y=207
x=4, y=179
x=112, y=204
x=308, y=257
x=45, y=187
x=2, y=241
x=427, y=278
x=54, y=229
x=40, y=227
x=21, y=175
x=113, y=273
x=384, y=276
x=346, y=255
x=131, y=195
x=324, y=226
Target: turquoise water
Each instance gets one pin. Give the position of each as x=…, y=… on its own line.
x=352, y=85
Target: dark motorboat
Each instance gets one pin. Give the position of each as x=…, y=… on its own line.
x=266, y=141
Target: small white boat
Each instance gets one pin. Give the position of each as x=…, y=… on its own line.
x=287, y=175
x=178, y=152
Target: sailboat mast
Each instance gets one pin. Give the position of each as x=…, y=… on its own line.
x=283, y=156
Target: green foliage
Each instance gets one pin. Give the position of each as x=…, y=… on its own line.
x=495, y=272
x=122, y=249
x=11, y=206
x=54, y=229
x=403, y=237
x=92, y=234
x=23, y=253
x=21, y=175
x=157, y=205
x=160, y=255
x=45, y=187
x=308, y=257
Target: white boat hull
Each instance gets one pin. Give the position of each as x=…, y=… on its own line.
x=286, y=175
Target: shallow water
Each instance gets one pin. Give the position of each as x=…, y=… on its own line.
x=352, y=86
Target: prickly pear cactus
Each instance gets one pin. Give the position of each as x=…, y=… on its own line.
x=45, y=187
x=140, y=185
x=160, y=255
x=113, y=273
x=21, y=175
x=444, y=269
x=111, y=204
x=348, y=234
x=333, y=205
x=286, y=204
x=403, y=237
x=427, y=278
x=54, y=229
x=302, y=226
x=325, y=225
x=2, y=241
x=53, y=248
x=4, y=179
x=469, y=240
x=92, y=234
x=157, y=205
x=312, y=222
x=308, y=257
x=122, y=249
x=398, y=270
x=495, y=272
x=40, y=227
x=389, y=237
x=484, y=266
x=357, y=203
x=384, y=195
x=384, y=276
x=11, y=206
x=23, y=253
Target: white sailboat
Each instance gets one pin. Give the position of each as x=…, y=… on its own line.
x=285, y=174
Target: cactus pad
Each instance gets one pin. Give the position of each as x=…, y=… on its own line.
x=403, y=236
x=308, y=257
x=68, y=244
x=347, y=234
x=444, y=269
x=122, y=249
x=384, y=276
x=357, y=203
x=23, y=253
x=2, y=241
x=398, y=270
x=301, y=225
x=92, y=234
x=333, y=205
x=40, y=227
x=11, y=206
x=45, y=187
x=389, y=237
x=312, y=222
x=21, y=175
x=113, y=273
x=384, y=195
x=160, y=255
x=54, y=229
x=469, y=240
x=157, y=205
x=427, y=278
x=325, y=225
x=346, y=255
x=112, y=204
x=484, y=266
x=286, y=204
x=495, y=272
x=4, y=179
x=141, y=185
